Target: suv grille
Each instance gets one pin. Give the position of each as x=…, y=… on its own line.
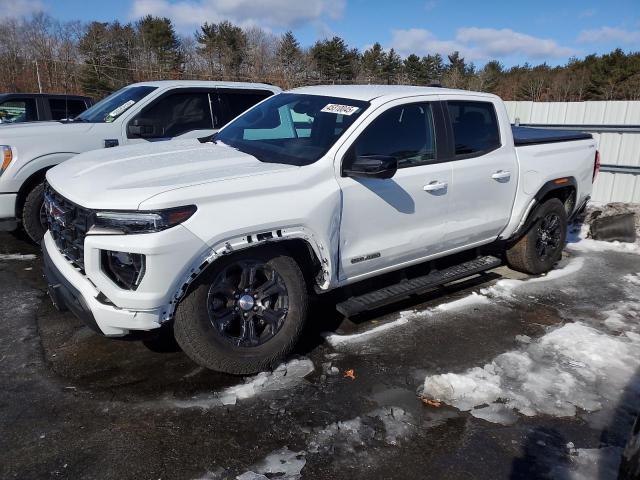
x=68, y=224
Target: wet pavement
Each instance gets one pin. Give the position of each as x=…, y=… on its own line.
x=429, y=392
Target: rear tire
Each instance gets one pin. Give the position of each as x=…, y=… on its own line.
x=541, y=247
x=33, y=221
x=240, y=322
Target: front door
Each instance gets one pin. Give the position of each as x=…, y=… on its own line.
x=386, y=223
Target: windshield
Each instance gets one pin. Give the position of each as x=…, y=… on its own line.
x=110, y=108
x=291, y=128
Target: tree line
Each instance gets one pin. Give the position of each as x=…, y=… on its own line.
x=97, y=58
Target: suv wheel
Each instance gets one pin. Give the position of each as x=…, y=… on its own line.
x=541, y=248
x=34, y=218
x=245, y=314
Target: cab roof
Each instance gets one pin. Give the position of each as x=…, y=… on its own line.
x=207, y=84
x=370, y=92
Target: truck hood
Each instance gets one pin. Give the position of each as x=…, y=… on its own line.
x=33, y=129
x=124, y=177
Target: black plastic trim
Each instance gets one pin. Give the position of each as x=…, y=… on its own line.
x=65, y=296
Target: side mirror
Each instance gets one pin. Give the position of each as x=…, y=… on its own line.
x=143, y=128
x=371, y=166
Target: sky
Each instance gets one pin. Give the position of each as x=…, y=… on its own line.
x=512, y=32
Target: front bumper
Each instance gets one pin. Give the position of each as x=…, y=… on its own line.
x=71, y=290
x=8, y=212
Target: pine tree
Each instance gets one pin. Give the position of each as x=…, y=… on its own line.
x=391, y=65
x=158, y=36
x=372, y=62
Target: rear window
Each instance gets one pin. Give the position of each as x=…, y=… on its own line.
x=61, y=108
x=234, y=102
x=475, y=128
x=18, y=110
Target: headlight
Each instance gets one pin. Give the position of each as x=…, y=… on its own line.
x=124, y=269
x=140, y=222
x=7, y=157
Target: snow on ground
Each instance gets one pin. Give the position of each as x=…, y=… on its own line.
x=589, y=464
x=341, y=436
x=6, y=257
x=573, y=366
x=578, y=241
x=285, y=376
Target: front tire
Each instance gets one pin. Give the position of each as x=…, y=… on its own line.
x=245, y=314
x=541, y=247
x=34, y=220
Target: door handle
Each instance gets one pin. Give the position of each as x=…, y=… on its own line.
x=435, y=186
x=501, y=175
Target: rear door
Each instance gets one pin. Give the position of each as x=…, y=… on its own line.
x=484, y=171
x=389, y=222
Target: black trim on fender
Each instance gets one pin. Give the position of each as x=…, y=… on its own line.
x=550, y=186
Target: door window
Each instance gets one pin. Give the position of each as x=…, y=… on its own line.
x=18, y=110
x=233, y=103
x=61, y=108
x=475, y=128
x=405, y=132
x=178, y=113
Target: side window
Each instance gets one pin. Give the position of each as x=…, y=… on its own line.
x=234, y=102
x=475, y=127
x=18, y=110
x=61, y=108
x=405, y=132
x=179, y=113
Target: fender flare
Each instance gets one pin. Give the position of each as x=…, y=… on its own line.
x=246, y=242
x=530, y=217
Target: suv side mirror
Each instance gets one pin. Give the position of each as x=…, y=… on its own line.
x=143, y=128
x=370, y=166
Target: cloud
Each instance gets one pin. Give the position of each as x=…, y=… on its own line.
x=609, y=34
x=190, y=14
x=478, y=44
x=19, y=8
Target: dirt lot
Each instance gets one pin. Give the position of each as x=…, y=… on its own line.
x=490, y=378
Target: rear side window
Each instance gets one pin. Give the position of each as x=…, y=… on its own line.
x=405, y=132
x=18, y=110
x=475, y=128
x=61, y=108
x=179, y=113
x=234, y=102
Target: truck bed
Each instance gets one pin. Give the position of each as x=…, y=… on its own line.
x=523, y=136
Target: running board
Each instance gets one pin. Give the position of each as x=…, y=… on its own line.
x=415, y=286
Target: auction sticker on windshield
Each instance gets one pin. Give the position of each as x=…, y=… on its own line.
x=114, y=113
x=340, y=109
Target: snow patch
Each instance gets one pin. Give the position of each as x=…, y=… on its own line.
x=282, y=464
x=7, y=257
x=343, y=436
x=336, y=339
x=286, y=375
x=590, y=463
x=468, y=301
x=574, y=366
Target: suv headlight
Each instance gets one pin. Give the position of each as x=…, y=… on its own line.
x=7, y=157
x=123, y=222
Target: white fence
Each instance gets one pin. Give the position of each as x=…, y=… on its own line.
x=616, y=127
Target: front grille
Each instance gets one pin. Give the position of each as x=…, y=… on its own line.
x=68, y=224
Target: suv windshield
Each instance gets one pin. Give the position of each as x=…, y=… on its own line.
x=291, y=128
x=110, y=108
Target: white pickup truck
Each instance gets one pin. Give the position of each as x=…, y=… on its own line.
x=139, y=113
x=219, y=244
